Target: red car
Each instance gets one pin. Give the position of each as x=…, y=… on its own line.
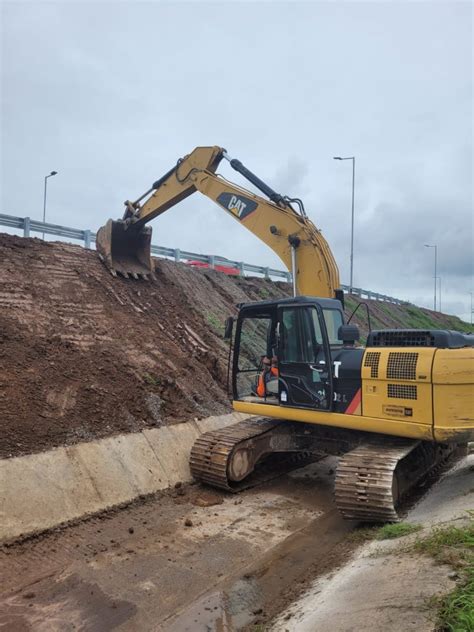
x=225, y=269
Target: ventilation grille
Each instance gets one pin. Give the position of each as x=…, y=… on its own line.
x=402, y=338
x=402, y=366
x=401, y=391
x=371, y=360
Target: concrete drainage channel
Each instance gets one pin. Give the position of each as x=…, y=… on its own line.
x=192, y=559
x=41, y=491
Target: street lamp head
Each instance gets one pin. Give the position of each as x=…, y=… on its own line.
x=337, y=158
x=53, y=173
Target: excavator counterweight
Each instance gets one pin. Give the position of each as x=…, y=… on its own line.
x=126, y=250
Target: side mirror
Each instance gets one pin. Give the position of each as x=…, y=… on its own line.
x=229, y=327
x=349, y=334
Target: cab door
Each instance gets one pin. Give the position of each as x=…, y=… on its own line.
x=304, y=358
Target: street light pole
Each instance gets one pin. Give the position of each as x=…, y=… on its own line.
x=435, y=246
x=351, y=283
x=439, y=295
x=53, y=173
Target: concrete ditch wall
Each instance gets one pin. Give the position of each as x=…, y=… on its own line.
x=44, y=490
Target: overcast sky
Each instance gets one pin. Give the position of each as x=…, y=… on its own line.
x=110, y=94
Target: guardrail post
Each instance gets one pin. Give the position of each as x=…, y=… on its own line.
x=212, y=262
x=177, y=255
x=266, y=273
x=288, y=277
x=241, y=268
x=87, y=239
x=26, y=226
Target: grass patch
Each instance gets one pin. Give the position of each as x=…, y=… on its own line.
x=386, y=532
x=454, y=546
x=456, y=610
x=459, y=325
x=396, y=530
x=215, y=323
x=152, y=380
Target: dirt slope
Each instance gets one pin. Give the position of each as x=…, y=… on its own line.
x=84, y=355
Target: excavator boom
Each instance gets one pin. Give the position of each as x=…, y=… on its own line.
x=124, y=245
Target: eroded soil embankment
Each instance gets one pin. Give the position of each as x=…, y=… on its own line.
x=84, y=355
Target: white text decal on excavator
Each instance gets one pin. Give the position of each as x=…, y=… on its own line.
x=238, y=205
x=336, y=363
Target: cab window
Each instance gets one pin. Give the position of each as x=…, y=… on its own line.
x=254, y=336
x=333, y=320
x=256, y=341
x=298, y=342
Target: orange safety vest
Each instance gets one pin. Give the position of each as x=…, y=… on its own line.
x=263, y=378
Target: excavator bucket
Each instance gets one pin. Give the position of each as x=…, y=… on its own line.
x=126, y=250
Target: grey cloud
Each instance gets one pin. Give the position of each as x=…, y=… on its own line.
x=110, y=94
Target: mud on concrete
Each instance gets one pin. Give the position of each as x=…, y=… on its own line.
x=42, y=490
x=385, y=585
x=193, y=559
x=189, y=559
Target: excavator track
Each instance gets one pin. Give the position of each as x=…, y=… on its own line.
x=374, y=473
x=373, y=479
x=227, y=458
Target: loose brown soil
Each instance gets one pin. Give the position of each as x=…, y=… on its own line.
x=85, y=355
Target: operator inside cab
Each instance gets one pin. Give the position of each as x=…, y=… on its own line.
x=267, y=383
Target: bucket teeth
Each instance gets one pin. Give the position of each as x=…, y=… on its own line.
x=145, y=276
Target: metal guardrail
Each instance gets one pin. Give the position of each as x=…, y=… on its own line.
x=28, y=225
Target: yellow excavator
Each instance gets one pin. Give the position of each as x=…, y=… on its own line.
x=392, y=411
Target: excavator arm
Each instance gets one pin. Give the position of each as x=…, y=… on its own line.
x=124, y=245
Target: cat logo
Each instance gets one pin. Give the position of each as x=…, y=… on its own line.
x=238, y=205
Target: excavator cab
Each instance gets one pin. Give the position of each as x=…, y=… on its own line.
x=306, y=335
